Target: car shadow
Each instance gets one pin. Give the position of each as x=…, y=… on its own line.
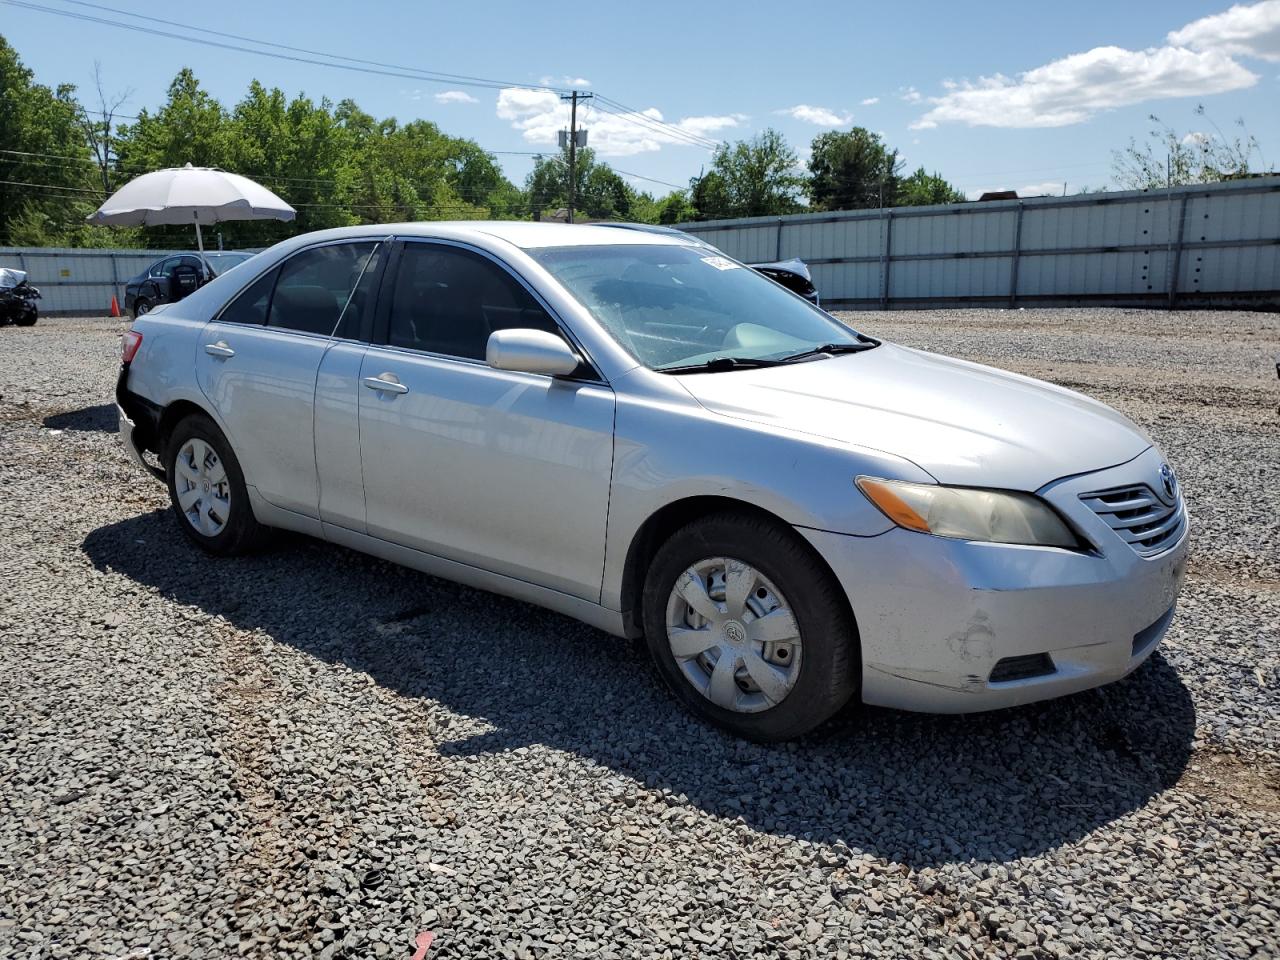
x=915, y=789
x=102, y=418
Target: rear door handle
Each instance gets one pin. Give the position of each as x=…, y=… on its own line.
x=219, y=349
x=384, y=385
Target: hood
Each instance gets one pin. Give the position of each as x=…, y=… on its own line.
x=964, y=423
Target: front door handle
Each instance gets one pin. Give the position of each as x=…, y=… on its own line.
x=385, y=385
x=219, y=349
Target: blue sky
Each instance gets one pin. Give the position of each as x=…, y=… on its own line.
x=992, y=95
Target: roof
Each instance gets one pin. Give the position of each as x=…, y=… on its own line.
x=522, y=233
x=527, y=234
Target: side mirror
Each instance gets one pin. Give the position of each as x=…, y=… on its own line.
x=530, y=351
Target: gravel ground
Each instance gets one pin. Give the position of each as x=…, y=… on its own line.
x=312, y=753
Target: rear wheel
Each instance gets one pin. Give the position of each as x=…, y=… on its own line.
x=749, y=628
x=141, y=306
x=207, y=489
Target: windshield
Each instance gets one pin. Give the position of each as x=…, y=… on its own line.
x=674, y=306
x=221, y=262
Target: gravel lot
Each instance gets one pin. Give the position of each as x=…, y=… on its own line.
x=312, y=753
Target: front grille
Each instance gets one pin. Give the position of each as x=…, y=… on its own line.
x=1022, y=668
x=1141, y=518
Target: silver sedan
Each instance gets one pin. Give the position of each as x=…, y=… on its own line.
x=636, y=431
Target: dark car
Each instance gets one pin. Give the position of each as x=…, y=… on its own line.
x=172, y=278
x=17, y=298
x=792, y=274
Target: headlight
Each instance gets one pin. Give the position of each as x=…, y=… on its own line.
x=962, y=513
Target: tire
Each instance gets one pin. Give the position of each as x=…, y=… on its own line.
x=28, y=319
x=141, y=306
x=221, y=521
x=822, y=668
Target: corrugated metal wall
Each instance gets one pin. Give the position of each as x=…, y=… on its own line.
x=1204, y=245
x=79, y=281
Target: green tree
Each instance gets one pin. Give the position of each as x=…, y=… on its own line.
x=921, y=189
x=47, y=185
x=191, y=127
x=600, y=193
x=336, y=164
x=749, y=178
x=1167, y=157
x=672, y=208
x=852, y=170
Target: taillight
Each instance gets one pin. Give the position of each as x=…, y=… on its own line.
x=129, y=345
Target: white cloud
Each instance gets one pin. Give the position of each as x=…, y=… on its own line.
x=870, y=101
x=540, y=115
x=455, y=96
x=1074, y=88
x=819, y=116
x=911, y=95
x=564, y=80
x=1246, y=30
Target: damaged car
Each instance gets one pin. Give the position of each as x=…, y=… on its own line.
x=636, y=431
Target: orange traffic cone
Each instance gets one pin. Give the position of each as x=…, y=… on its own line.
x=115, y=307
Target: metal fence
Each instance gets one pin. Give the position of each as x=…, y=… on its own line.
x=1205, y=245
x=82, y=280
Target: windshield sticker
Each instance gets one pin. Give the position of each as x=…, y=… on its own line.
x=720, y=263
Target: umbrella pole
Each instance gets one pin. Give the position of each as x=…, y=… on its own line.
x=200, y=245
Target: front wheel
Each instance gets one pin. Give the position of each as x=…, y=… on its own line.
x=749, y=628
x=28, y=318
x=141, y=307
x=207, y=489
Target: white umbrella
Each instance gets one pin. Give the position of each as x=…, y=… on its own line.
x=199, y=195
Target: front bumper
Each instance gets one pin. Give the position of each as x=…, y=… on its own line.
x=937, y=616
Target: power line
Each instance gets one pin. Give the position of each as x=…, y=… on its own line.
x=388, y=71
x=621, y=109
x=658, y=128
x=641, y=176
x=51, y=186
x=640, y=118
x=356, y=64
x=425, y=74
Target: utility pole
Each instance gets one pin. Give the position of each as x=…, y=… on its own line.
x=573, y=99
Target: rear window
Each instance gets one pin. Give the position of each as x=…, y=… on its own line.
x=251, y=306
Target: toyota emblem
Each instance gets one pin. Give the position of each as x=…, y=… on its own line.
x=1169, y=482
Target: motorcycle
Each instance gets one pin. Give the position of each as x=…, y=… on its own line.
x=17, y=299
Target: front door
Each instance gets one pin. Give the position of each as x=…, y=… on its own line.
x=257, y=363
x=504, y=471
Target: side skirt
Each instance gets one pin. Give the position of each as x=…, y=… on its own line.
x=610, y=621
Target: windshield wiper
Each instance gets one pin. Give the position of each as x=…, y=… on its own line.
x=831, y=349
x=719, y=364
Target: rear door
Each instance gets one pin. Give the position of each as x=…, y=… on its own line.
x=501, y=470
x=257, y=363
